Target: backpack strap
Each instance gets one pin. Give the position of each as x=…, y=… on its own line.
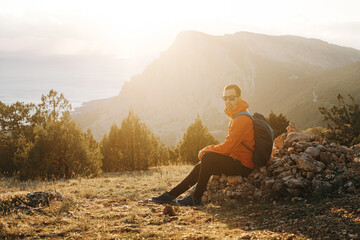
x=244, y=113
x=248, y=114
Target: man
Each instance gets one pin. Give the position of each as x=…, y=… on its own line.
x=230, y=157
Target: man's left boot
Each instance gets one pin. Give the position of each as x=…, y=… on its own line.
x=190, y=200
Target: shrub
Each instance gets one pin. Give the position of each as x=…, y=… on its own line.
x=278, y=123
x=342, y=121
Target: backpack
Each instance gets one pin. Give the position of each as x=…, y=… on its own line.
x=264, y=138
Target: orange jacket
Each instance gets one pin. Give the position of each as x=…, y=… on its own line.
x=241, y=130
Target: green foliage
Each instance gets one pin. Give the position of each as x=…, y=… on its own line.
x=60, y=150
x=50, y=108
x=132, y=147
x=342, y=121
x=14, y=125
x=195, y=138
x=318, y=131
x=43, y=142
x=278, y=123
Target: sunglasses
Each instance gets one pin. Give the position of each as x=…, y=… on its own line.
x=231, y=97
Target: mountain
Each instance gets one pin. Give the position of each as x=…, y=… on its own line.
x=279, y=73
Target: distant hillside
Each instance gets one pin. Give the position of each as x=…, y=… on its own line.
x=276, y=73
x=303, y=107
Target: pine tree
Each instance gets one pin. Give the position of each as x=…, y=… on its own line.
x=14, y=127
x=132, y=146
x=52, y=106
x=111, y=150
x=195, y=138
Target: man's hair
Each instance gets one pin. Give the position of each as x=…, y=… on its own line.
x=233, y=86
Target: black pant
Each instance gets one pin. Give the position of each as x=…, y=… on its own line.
x=211, y=164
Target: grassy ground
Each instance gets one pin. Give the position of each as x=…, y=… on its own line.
x=117, y=206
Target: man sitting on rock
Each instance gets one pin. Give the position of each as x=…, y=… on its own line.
x=230, y=157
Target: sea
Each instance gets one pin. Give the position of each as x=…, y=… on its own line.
x=30, y=90
x=80, y=79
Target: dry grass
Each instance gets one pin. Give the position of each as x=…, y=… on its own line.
x=117, y=206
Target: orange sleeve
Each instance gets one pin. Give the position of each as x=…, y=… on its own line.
x=235, y=135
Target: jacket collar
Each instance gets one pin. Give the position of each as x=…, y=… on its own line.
x=241, y=106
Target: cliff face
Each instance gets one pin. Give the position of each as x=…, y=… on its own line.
x=188, y=78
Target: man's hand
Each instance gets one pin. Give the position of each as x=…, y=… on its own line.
x=199, y=155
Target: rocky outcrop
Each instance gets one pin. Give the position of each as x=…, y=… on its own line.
x=303, y=166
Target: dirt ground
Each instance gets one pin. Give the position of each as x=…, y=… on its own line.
x=118, y=206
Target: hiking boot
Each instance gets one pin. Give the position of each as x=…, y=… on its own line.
x=164, y=198
x=190, y=200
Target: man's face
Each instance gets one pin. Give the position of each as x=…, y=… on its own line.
x=227, y=96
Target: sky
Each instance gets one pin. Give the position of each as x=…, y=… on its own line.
x=143, y=28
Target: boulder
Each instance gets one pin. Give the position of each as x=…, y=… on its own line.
x=291, y=128
x=297, y=137
x=279, y=141
x=313, y=151
x=312, y=166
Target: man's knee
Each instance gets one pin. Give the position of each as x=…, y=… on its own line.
x=208, y=157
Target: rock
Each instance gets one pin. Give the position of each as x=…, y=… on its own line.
x=169, y=210
x=348, y=184
x=338, y=181
x=257, y=193
x=278, y=185
x=344, y=149
x=320, y=187
x=304, y=165
x=278, y=170
x=297, y=137
x=275, y=162
x=223, y=179
x=291, y=150
x=309, y=175
x=36, y=199
x=287, y=166
x=13, y=202
x=268, y=184
x=284, y=174
x=325, y=157
x=263, y=170
x=232, y=180
x=312, y=166
x=291, y=128
x=312, y=151
x=294, y=183
x=279, y=141
x=287, y=178
x=294, y=191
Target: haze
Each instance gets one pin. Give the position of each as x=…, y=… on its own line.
x=132, y=29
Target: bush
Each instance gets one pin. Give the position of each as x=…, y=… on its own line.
x=278, y=123
x=41, y=141
x=342, y=121
x=60, y=150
